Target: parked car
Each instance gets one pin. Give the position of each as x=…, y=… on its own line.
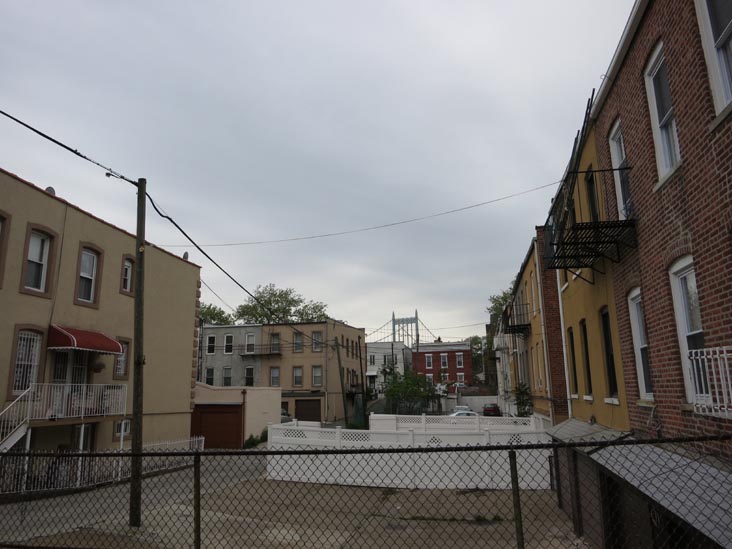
x=491, y=410
x=463, y=413
x=461, y=408
x=284, y=416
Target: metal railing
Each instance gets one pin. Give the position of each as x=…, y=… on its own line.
x=712, y=380
x=53, y=471
x=76, y=400
x=425, y=423
x=14, y=415
x=611, y=493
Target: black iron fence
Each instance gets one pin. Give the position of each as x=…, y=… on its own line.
x=621, y=493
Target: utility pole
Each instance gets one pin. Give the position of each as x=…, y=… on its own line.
x=363, y=382
x=136, y=472
x=343, y=387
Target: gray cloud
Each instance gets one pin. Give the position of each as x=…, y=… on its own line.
x=276, y=119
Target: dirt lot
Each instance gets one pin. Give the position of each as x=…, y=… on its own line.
x=242, y=509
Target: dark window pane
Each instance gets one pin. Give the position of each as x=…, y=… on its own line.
x=662, y=91
x=695, y=341
x=612, y=381
x=720, y=13
x=586, y=350
x=646, y=369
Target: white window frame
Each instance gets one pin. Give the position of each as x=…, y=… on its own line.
x=461, y=377
x=431, y=378
x=226, y=374
x=228, y=344
x=208, y=344
x=320, y=376
x=27, y=360
x=678, y=270
x=272, y=370
x=635, y=298
x=718, y=68
x=459, y=358
x=250, y=345
x=213, y=376
x=317, y=338
x=127, y=275
x=122, y=426
x=43, y=260
x=618, y=157
x=428, y=361
x=666, y=160
x=443, y=361
x=246, y=375
x=90, y=276
x=122, y=361
x=294, y=376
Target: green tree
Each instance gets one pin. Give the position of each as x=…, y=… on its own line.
x=211, y=314
x=274, y=304
x=476, y=349
x=410, y=393
x=524, y=401
x=498, y=301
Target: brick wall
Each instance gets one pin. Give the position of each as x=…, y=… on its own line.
x=689, y=213
x=419, y=365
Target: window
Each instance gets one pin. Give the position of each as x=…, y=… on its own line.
x=274, y=376
x=384, y=357
x=444, y=376
x=297, y=376
x=126, y=282
x=715, y=24
x=297, y=342
x=461, y=377
x=428, y=363
x=663, y=120
x=89, y=273
x=431, y=378
x=372, y=360
x=688, y=318
x=443, y=360
x=573, y=363
x=348, y=347
x=122, y=429
x=121, y=362
x=640, y=344
x=317, y=342
x=586, y=352
x=210, y=344
x=249, y=376
x=564, y=278
x=274, y=343
x=250, y=344
x=533, y=294
x=607, y=340
x=459, y=357
x=592, y=196
x=27, y=360
x=621, y=174
x=228, y=344
x=4, y=232
x=36, y=270
x=209, y=376
x=317, y=376
x=227, y=376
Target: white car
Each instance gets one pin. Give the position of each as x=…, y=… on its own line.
x=463, y=413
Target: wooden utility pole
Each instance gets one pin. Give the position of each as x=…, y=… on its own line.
x=136, y=470
x=343, y=387
x=363, y=381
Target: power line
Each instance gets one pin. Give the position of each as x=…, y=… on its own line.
x=373, y=227
x=463, y=326
x=210, y=289
x=112, y=173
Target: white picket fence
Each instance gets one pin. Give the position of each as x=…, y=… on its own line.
x=425, y=423
x=444, y=470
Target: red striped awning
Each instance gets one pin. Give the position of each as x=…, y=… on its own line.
x=63, y=338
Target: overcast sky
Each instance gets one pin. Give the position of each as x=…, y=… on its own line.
x=266, y=120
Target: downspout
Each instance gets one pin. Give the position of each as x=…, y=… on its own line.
x=564, y=346
x=547, y=376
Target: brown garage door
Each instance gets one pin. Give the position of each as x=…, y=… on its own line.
x=307, y=410
x=221, y=425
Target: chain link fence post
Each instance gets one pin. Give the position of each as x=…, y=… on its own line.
x=518, y=521
x=197, y=501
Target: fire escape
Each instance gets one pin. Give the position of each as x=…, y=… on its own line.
x=572, y=245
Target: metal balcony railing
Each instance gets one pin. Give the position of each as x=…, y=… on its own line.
x=71, y=400
x=712, y=381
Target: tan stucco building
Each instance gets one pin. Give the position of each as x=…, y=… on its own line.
x=302, y=360
x=66, y=328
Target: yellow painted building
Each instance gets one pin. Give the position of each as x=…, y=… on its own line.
x=584, y=241
x=66, y=328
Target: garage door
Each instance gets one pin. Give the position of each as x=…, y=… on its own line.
x=307, y=410
x=220, y=424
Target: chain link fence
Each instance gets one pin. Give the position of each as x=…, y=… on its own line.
x=615, y=494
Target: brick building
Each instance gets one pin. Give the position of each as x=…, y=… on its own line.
x=444, y=363
x=664, y=110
